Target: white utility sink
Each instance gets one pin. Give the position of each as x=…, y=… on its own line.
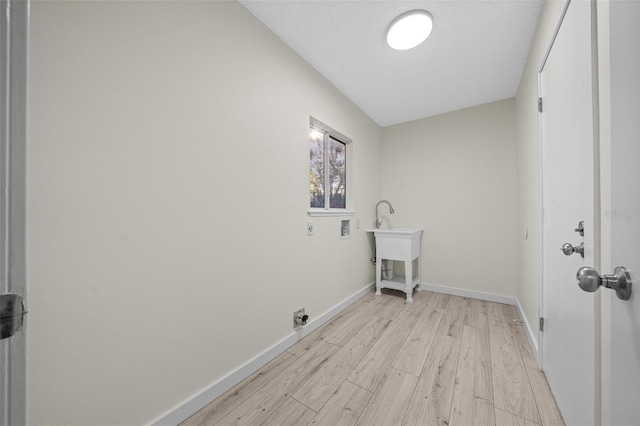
x=398, y=244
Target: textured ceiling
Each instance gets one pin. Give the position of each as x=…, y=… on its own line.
x=475, y=54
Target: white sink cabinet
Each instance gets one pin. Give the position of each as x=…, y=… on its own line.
x=403, y=245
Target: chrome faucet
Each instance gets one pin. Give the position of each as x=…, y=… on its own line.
x=378, y=221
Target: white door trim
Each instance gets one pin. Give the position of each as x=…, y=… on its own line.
x=14, y=27
x=604, y=95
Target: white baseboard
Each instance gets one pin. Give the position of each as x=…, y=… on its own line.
x=530, y=333
x=193, y=404
x=490, y=297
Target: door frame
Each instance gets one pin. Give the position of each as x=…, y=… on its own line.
x=14, y=28
x=604, y=93
x=597, y=217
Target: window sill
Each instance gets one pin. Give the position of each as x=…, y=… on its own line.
x=330, y=212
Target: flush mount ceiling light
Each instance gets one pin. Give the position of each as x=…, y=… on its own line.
x=409, y=29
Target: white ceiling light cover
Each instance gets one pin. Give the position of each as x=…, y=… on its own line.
x=409, y=29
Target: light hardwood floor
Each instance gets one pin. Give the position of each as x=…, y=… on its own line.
x=442, y=360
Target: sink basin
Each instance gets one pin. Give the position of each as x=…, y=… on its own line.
x=398, y=244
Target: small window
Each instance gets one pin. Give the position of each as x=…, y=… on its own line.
x=328, y=156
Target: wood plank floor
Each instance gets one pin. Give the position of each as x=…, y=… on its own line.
x=442, y=360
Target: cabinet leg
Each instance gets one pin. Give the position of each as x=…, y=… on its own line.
x=378, y=275
x=408, y=276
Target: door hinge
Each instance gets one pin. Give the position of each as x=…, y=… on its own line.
x=541, y=324
x=539, y=104
x=11, y=314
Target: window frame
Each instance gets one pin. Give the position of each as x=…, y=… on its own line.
x=328, y=133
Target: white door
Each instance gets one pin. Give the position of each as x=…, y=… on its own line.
x=13, y=27
x=621, y=350
x=568, y=342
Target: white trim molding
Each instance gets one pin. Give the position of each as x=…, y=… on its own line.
x=330, y=212
x=530, y=332
x=192, y=405
x=491, y=297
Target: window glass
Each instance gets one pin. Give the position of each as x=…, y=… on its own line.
x=337, y=173
x=328, y=191
x=316, y=172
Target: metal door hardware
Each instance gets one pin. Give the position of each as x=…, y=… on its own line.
x=620, y=281
x=569, y=249
x=11, y=315
x=580, y=228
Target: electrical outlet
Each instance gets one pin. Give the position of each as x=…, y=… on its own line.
x=300, y=318
x=309, y=228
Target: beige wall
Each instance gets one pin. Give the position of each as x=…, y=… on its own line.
x=454, y=176
x=168, y=190
x=528, y=169
x=167, y=200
